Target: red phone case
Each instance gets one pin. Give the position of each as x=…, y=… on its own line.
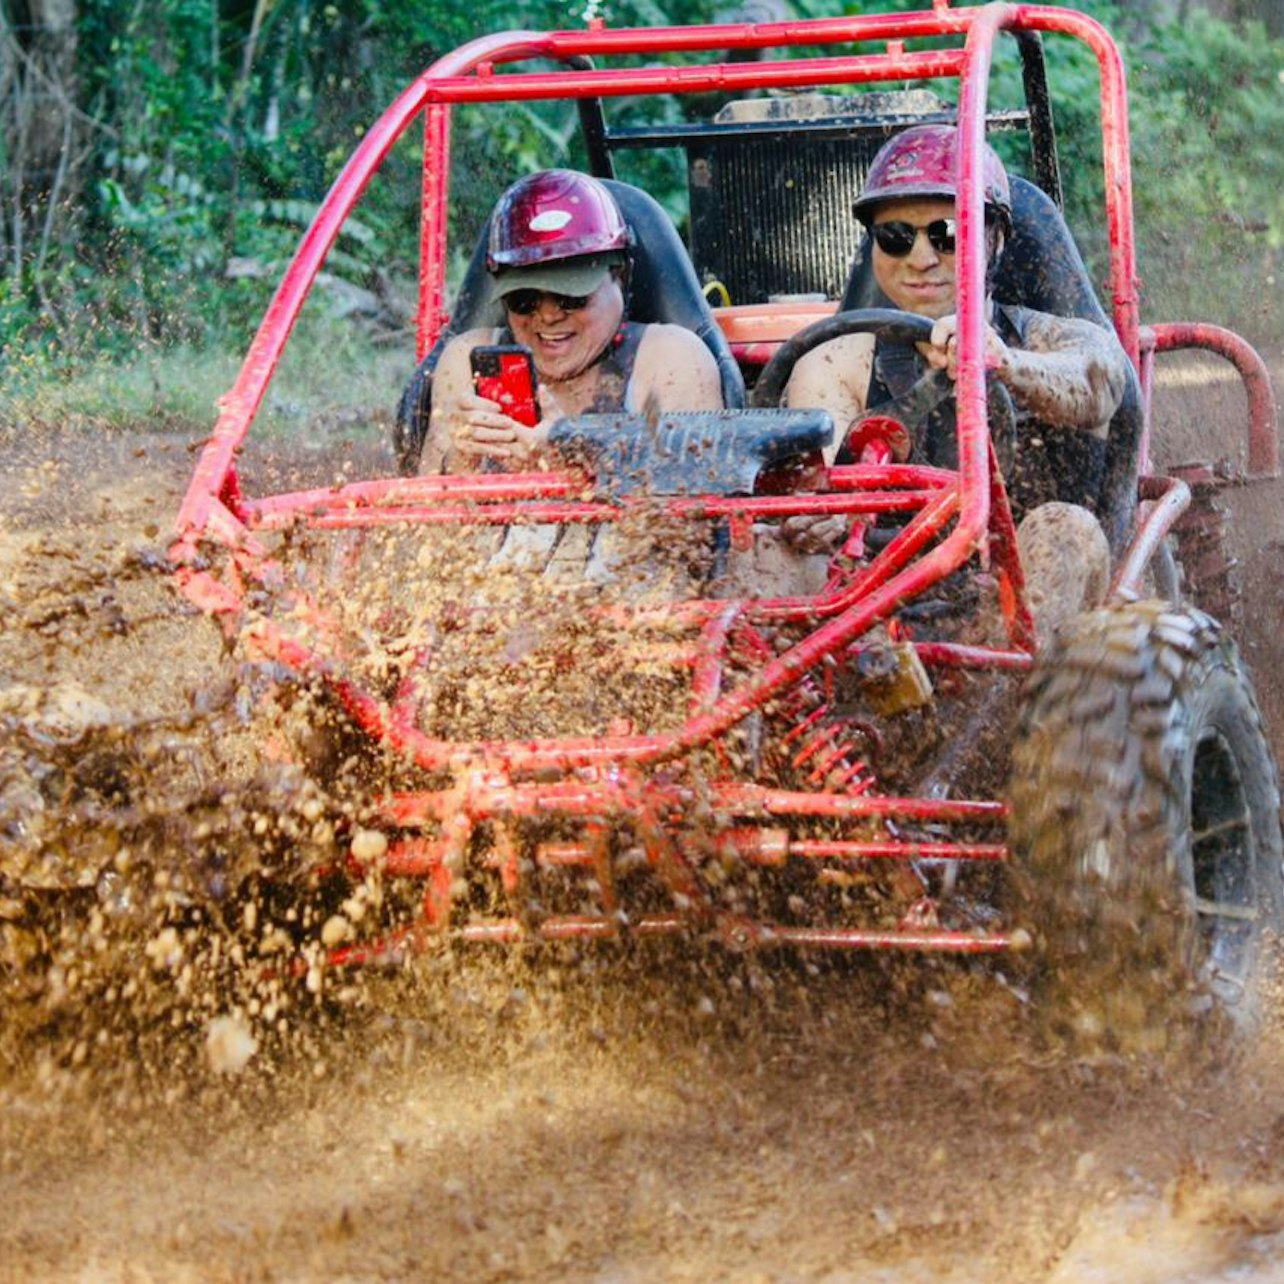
x=506, y=374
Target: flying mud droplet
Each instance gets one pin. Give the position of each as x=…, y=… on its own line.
x=229, y=1045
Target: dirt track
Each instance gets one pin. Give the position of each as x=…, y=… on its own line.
x=656, y=1116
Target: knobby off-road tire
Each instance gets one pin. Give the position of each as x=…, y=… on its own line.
x=1146, y=827
x=1210, y=575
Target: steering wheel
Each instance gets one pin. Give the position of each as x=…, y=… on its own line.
x=911, y=408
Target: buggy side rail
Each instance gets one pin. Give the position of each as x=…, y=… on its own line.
x=1263, y=411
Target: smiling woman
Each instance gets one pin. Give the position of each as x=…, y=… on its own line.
x=559, y=263
x=567, y=331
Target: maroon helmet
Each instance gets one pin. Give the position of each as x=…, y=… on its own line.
x=922, y=162
x=555, y=214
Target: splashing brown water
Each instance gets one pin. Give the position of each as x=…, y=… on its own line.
x=172, y=1107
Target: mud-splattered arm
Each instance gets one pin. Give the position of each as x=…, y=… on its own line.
x=1071, y=373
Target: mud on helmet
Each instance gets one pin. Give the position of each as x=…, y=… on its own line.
x=922, y=161
x=555, y=214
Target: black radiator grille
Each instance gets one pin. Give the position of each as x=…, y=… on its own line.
x=773, y=217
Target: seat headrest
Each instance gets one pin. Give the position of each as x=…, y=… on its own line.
x=1041, y=266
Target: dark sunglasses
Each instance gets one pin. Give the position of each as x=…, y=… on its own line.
x=897, y=239
x=524, y=302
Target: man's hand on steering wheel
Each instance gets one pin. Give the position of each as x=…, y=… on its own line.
x=943, y=352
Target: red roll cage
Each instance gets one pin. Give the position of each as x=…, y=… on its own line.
x=953, y=515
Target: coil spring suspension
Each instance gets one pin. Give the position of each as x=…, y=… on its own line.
x=824, y=745
x=820, y=743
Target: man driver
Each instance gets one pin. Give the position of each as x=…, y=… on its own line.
x=1066, y=376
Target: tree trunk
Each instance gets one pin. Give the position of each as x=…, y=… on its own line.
x=40, y=128
x=1270, y=13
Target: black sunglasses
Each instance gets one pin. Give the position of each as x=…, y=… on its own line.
x=524, y=302
x=897, y=239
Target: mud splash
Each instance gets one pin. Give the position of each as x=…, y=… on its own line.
x=172, y=1106
x=167, y=846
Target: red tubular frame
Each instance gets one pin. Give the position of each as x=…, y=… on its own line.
x=955, y=514
x=1263, y=411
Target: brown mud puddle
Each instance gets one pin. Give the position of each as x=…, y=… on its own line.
x=657, y=1114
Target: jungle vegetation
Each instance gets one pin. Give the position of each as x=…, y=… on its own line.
x=160, y=158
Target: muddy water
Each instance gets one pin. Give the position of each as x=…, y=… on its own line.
x=171, y=1110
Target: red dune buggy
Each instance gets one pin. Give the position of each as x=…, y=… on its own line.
x=882, y=759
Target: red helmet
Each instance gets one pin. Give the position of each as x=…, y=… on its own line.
x=922, y=161
x=555, y=214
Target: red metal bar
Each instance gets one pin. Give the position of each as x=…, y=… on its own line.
x=935, y=941
x=1263, y=411
x=387, y=951
x=970, y=268
x=953, y=655
x=738, y=936
x=405, y=492
x=487, y=796
x=1005, y=558
x=1147, y=376
x=758, y=800
x=601, y=41
x=433, y=222
x=706, y=680
x=1164, y=499
x=535, y=512
x=717, y=78
x=826, y=849
x=557, y=855
x=411, y=858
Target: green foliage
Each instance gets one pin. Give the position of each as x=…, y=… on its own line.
x=1206, y=108
x=224, y=123
x=331, y=374
x=1209, y=167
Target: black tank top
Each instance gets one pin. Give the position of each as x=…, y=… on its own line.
x=1051, y=463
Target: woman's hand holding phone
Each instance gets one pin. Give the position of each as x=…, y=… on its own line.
x=484, y=430
x=504, y=419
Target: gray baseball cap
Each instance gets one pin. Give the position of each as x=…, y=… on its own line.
x=576, y=276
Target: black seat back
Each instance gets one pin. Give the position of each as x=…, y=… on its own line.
x=1042, y=269
x=664, y=289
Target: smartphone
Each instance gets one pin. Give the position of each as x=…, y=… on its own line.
x=506, y=373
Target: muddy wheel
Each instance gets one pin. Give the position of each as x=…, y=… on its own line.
x=1210, y=575
x=1146, y=823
